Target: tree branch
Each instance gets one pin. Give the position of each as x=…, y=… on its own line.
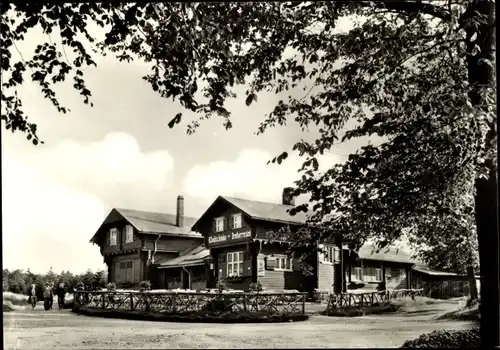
x=400, y=6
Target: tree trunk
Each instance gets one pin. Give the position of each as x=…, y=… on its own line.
x=486, y=198
x=472, y=283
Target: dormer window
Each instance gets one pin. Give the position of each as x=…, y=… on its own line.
x=113, y=235
x=219, y=224
x=237, y=220
x=129, y=234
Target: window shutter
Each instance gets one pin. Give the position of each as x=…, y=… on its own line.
x=247, y=264
x=222, y=258
x=230, y=221
x=270, y=263
x=226, y=223
x=213, y=225
x=108, y=239
x=296, y=264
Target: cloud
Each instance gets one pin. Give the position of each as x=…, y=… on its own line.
x=248, y=176
x=54, y=199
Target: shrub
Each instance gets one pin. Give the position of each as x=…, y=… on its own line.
x=221, y=286
x=15, y=299
x=368, y=310
x=256, y=287
x=111, y=286
x=218, y=305
x=144, y=285
x=446, y=339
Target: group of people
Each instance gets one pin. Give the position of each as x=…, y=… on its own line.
x=48, y=295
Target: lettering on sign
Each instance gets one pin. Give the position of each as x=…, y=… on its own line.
x=217, y=239
x=240, y=235
x=228, y=237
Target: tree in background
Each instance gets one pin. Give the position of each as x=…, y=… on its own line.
x=419, y=74
x=19, y=282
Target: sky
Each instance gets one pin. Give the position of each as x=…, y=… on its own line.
x=121, y=153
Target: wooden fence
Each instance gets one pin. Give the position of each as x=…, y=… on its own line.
x=182, y=302
x=340, y=300
x=444, y=289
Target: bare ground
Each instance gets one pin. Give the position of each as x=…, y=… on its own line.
x=54, y=329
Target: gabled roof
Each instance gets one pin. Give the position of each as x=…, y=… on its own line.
x=192, y=257
x=264, y=210
x=153, y=223
x=392, y=254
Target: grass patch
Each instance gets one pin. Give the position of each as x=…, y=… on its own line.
x=469, y=338
x=198, y=317
x=466, y=313
x=367, y=310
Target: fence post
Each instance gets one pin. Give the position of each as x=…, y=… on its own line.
x=174, y=299
x=372, y=296
x=303, y=303
x=245, y=302
x=328, y=304
x=131, y=301
x=350, y=300
x=103, y=301
x=146, y=299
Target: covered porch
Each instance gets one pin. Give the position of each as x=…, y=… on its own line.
x=192, y=270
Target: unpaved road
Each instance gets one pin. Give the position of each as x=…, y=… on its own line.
x=54, y=329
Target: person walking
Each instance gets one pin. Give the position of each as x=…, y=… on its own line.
x=32, y=295
x=61, y=293
x=48, y=296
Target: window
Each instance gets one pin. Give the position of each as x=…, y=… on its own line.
x=237, y=220
x=329, y=255
x=219, y=224
x=358, y=272
x=283, y=263
x=113, y=233
x=372, y=274
x=129, y=234
x=234, y=264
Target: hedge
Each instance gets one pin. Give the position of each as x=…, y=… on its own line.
x=469, y=338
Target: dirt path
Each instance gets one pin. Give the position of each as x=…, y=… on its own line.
x=38, y=329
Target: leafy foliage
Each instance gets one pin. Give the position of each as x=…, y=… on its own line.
x=50, y=64
x=401, y=73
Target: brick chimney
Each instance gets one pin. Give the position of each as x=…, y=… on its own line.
x=180, y=211
x=288, y=197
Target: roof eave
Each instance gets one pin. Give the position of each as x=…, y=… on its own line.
x=198, y=263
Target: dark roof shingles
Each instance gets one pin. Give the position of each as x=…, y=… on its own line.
x=151, y=222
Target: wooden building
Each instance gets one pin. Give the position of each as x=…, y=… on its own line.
x=372, y=270
x=235, y=232
x=440, y=284
x=229, y=243
x=132, y=242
